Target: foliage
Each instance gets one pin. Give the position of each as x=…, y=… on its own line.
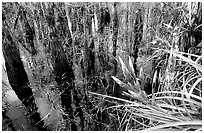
x=177, y=106
x=169, y=54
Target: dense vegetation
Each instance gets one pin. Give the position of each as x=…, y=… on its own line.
x=102, y=66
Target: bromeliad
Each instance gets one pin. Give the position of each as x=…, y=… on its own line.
x=132, y=85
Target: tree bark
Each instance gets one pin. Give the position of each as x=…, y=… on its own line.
x=64, y=75
x=18, y=78
x=138, y=31
x=115, y=35
x=28, y=30
x=114, y=85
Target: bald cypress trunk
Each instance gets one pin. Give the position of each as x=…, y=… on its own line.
x=63, y=69
x=138, y=31
x=114, y=39
x=18, y=78
x=115, y=35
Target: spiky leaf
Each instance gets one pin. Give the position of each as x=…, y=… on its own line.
x=131, y=68
x=126, y=73
x=141, y=73
x=122, y=84
x=141, y=97
x=135, y=88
